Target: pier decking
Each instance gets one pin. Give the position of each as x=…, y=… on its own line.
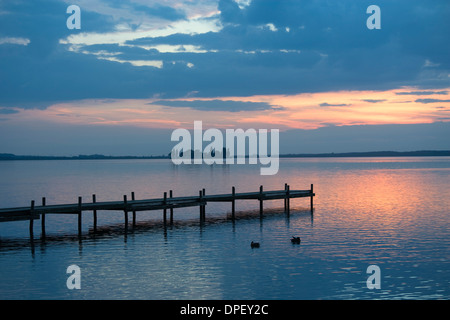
x=167, y=202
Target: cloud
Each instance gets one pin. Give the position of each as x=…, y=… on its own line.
x=238, y=49
x=8, y=111
x=429, y=64
x=121, y=37
x=374, y=100
x=326, y=104
x=137, y=63
x=422, y=93
x=12, y=40
x=431, y=100
x=161, y=11
x=218, y=105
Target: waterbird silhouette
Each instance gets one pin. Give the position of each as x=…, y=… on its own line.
x=254, y=244
x=295, y=240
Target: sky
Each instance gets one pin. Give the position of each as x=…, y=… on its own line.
x=138, y=69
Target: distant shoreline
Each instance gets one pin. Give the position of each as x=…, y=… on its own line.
x=420, y=153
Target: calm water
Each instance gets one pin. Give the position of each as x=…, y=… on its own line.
x=391, y=212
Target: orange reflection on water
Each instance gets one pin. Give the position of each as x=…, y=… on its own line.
x=389, y=198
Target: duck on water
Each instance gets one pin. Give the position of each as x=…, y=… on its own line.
x=295, y=240
x=254, y=244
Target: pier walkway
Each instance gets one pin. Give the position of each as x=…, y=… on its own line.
x=167, y=202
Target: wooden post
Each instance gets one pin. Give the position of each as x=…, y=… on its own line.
x=203, y=206
x=125, y=210
x=31, y=220
x=165, y=209
x=79, y=217
x=285, y=199
x=171, y=209
x=200, y=201
x=43, y=220
x=288, y=199
x=261, y=200
x=233, y=205
x=94, y=200
x=312, y=197
x=134, y=212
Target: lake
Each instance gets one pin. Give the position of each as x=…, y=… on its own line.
x=388, y=212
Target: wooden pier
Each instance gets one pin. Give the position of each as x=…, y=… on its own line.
x=36, y=212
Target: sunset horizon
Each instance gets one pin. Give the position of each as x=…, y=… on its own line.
x=221, y=158
x=135, y=71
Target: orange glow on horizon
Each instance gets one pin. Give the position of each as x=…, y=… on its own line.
x=300, y=111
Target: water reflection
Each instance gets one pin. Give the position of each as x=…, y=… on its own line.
x=120, y=230
x=388, y=212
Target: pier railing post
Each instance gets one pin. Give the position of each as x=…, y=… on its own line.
x=165, y=208
x=171, y=208
x=125, y=210
x=94, y=200
x=200, y=194
x=288, y=199
x=43, y=220
x=261, y=201
x=31, y=220
x=134, y=211
x=203, y=206
x=79, y=217
x=285, y=198
x=233, y=203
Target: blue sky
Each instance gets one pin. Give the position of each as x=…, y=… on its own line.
x=305, y=67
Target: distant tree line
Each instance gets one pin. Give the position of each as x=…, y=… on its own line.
x=225, y=153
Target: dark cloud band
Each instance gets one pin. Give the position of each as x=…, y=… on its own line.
x=217, y=105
